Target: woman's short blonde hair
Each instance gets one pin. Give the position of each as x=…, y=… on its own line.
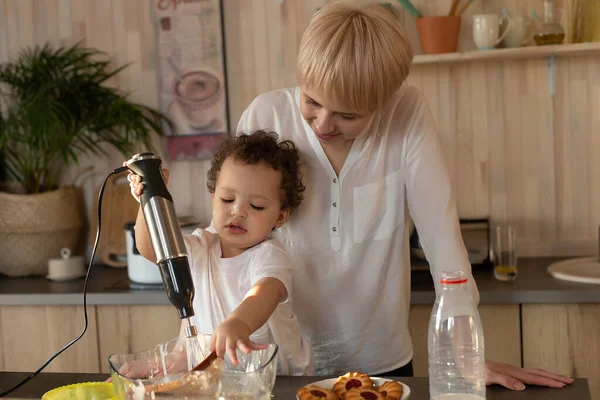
x=358, y=54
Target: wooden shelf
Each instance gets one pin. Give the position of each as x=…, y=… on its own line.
x=578, y=49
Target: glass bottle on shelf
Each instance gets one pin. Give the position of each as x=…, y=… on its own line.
x=575, y=25
x=551, y=31
x=591, y=27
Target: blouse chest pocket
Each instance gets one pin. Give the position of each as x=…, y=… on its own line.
x=378, y=208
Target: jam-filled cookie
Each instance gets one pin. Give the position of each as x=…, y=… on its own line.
x=350, y=381
x=314, y=392
x=392, y=390
x=364, y=394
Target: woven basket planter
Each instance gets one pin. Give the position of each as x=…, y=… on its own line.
x=35, y=227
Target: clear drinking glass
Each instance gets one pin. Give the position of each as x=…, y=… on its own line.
x=162, y=372
x=253, y=378
x=504, y=252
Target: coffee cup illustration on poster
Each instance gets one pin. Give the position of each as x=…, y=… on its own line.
x=192, y=76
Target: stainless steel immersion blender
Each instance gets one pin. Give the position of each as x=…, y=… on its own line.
x=167, y=242
x=165, y=234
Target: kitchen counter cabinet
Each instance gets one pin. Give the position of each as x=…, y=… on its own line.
x=30, y=335
x=501, y=330
x=564, y=338
x=557, y=322
x=129, y=329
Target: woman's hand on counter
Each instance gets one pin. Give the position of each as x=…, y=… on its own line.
x=515, y=378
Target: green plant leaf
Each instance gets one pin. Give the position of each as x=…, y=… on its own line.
x=55, y=107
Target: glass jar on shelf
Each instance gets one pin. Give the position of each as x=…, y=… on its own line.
x=551, y=30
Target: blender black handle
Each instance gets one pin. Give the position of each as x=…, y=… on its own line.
x=148, y=167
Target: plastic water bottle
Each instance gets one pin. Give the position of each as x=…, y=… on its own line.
x=455, y=343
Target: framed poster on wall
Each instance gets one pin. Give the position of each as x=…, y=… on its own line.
x=192, y=84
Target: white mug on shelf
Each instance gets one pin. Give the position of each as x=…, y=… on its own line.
x=518, y=34
x=486, y=30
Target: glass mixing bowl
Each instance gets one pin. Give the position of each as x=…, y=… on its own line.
x=162, y=372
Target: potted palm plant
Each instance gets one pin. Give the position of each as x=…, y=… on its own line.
x=55, y=107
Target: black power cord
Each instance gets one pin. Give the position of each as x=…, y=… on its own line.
x=87, y=275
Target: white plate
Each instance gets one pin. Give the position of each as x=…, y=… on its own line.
x=328, y=384
x=584, y=270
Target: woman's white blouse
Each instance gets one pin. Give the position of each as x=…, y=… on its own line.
x=349, y=237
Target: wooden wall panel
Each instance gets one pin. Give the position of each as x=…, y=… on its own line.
x=512, y=149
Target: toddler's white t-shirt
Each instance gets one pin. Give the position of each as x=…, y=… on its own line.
x=221, y=285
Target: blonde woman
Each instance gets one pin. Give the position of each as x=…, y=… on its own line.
x=372, y=156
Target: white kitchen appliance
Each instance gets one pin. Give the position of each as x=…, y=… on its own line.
x=141, y=270
x=476, y=237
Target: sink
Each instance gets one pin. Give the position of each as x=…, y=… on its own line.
x=584, y=270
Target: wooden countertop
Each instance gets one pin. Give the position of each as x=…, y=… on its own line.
x=110, y=286
x=286, y=386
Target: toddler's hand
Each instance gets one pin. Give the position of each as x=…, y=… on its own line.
x=231, y=334
x=136, y=185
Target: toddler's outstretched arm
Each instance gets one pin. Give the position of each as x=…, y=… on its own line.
x=251, y=314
